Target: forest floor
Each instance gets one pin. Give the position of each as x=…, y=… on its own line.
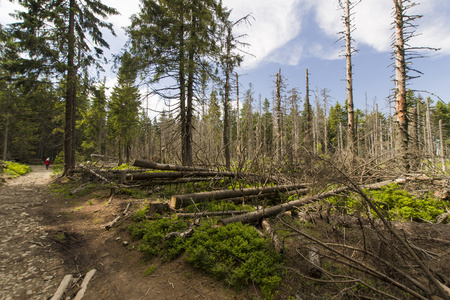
x=43, y=238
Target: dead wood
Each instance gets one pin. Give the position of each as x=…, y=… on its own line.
x=112, y=223
x=211, y=213
x=62, y=287
x=175, y=175
x=355, y=263
x=126, y=209
x=274, y=210
x=183, y=234
x=178, y=201
x=314, y=268
x=94, y=173
x=156, y=166
x=84, y=284
x=79, y=189
x=279, y=247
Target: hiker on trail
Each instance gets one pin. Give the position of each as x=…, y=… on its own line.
x=47, y=162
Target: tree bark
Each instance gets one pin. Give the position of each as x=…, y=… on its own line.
x=178, y=201
x=348, y=57
x=279, y=247
x=211, y=213
x=274, y=210
x=167, y=167
x=400, y=89
x=69, y=146
x=159, y=175
x=226, y=103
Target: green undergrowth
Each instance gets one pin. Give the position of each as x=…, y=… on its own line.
x=400, y=205
x=235, y=254
x=217, y=206
x=14, y=169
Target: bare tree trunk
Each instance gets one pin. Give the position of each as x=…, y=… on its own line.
x=226, y=105
x=400, y=89
x=6, y=133
x=237, y=119
x=325, y=121
x=348, y=56
x=278, y=112
x=441, y=142
x=309, y=139
x=413, y=138
x=69, y=146
x=431, y=150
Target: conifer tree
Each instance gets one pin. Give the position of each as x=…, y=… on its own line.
x=175, y=41
x=123, y=113
x=62, y=36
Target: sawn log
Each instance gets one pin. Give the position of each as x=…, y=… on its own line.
x=179, y=201
x=274, y=210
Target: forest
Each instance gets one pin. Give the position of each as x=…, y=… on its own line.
x=294, y=164
x=208, y=118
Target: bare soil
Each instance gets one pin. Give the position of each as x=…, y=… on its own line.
x=43, y=238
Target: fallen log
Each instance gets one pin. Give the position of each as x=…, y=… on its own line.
x=62, y=287
x=168, y=167
x=84, y=284
x=314, y=269
x=184, y=234
x=179, y=201
x=274, y=210
x=112, y=223
x=156, y=166
x=273, y=236
x=169, y=175
x=94, y=173
x=211, y=213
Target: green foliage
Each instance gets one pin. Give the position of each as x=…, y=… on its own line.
x=14, y=169
x=237, y=254
x=402, y=205
x=152, y=235
x=134, y=193
x=218, y=206
x=398, y=203
x=150, y=270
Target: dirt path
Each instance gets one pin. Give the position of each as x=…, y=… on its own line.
x=28, y=267
x=43, y=238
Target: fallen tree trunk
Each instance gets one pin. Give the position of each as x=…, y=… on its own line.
x=170, y=175
x=178, y=201
x=168, y=167
x=62, y=287
x=211, y=213
x=94, y=173
x=112, y=223
x=274, y=210
x=279, y=247
x=156, y=166
x=84, y=284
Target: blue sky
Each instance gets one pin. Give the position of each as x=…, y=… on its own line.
x=297, y=34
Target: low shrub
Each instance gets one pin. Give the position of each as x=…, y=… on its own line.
x=237, y=254
x=14, y=169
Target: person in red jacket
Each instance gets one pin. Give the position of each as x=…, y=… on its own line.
x=47, y=162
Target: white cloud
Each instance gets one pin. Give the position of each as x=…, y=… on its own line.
x=275, y=24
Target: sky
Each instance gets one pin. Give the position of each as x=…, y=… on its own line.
x=293, y=35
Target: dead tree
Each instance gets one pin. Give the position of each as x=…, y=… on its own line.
x=347, y=7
